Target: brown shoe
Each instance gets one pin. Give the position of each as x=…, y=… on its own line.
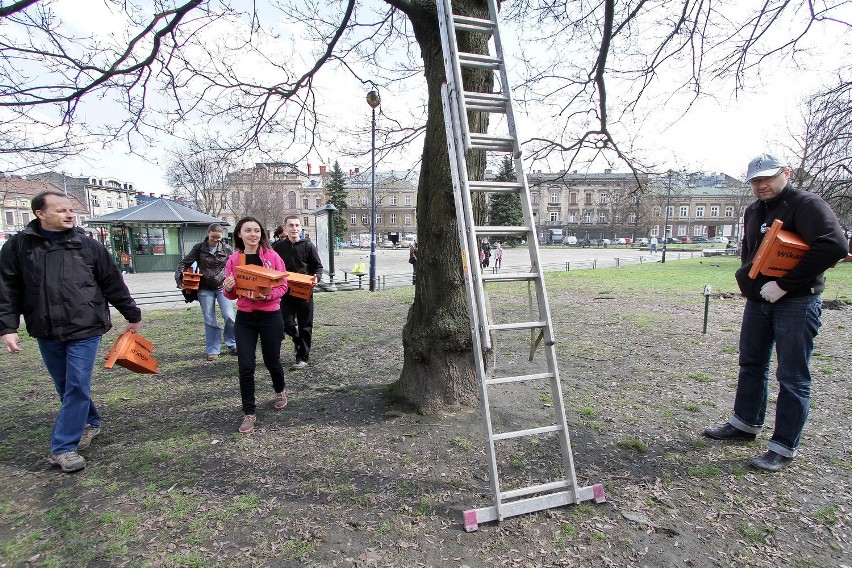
x=247, y=427
x=212, y=356
x=280, y=400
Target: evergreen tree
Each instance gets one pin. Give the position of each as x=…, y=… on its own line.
x=335, y=193
x=506, y=207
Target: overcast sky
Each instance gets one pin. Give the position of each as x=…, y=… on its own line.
x=715, y=136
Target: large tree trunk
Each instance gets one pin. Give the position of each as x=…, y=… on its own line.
x=438, y=369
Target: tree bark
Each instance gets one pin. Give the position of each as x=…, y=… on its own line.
x=438, y=368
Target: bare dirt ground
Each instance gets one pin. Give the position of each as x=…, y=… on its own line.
x=346, y=477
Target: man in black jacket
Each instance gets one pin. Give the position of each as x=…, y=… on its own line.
x=299, y=255
x=783, y=312
x=210, y=257
x=62, y=282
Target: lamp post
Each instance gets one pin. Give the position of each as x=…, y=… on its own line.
x=374, y=101
x=666, y=225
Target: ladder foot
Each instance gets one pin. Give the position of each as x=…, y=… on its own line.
x=470, y=522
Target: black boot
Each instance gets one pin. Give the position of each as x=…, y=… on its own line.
x=728, y=432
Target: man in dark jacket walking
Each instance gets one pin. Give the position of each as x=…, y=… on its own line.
x=783, y=312
x=210, y=257
x=299, y=255
x=62, y=282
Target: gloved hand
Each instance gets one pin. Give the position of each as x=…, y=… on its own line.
x=771, y=292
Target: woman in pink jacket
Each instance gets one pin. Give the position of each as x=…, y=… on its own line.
x=258, y=317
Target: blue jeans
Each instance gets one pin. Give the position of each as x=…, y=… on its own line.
x=212, y=331
x=70, y=364
x=790, y=325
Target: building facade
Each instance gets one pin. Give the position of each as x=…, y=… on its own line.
x=101, y=195
x=15, y=210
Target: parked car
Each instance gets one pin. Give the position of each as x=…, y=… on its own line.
x=570, y=241
x=700, y=240
x=723, y=240
x=619, y=241
x=672, y=241
x=584, y=243
x=641, y=241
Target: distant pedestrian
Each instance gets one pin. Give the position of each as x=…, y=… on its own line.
x=781, y=313
x=498, y=257
x=486, y=253
x=210, y=257
x=257, y=318
x=63, y=282
x=278, y=234
x=653, y=245
x=412, y=260
x=300, y=255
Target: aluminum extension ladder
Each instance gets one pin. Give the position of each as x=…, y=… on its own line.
x=562, y=490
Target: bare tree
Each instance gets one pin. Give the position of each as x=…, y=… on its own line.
x=824, y=148
x=597, y=70
x=198, y=173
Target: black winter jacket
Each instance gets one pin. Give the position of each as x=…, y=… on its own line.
x=301, y=256
x=807, y=215
x=62, y=289
x=210, y=264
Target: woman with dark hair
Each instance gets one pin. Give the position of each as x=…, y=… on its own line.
x=257, y=318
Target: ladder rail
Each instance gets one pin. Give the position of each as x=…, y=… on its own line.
x=454, y=78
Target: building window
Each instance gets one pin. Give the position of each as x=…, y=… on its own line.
x=109, y=202
x=657, y=211
x=408, y=201
x=714, y=210
x=572, y=217
x=305, y=222
x=364, y=220
x=684, y=210
x=95, y=201
x=601, y=217
x=632, y=219
x=25, y=217
x=588, y=217
x=698, y=231
x=588, y=198
x=291, y=200
x=393, y=200
x=393, y=219
x=363, y=200
x=655, y=231
x=573, y=198
x=554, y=198
x=729, y=210
x=318, y=203
x=681, y=230
x=151, y=241
x=408, y=218
x=304, y=203
x=378, y=218
x=352, y=201
x=534, y=197
x=670, y=210
x=602, y=199
x=618, y=217
x=10, y=219
x=699, y=211
x=554, y=216
x=353, y=219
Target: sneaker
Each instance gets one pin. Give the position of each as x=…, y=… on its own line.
x=232, y=350
x=68, y=461
x=298, y=365
x=212, y=356
x=88, y=435
x=280, y=400
x=247, y=427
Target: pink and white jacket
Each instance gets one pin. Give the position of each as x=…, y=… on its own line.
x=270, y=259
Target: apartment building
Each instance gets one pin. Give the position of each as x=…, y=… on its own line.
x=15, y=210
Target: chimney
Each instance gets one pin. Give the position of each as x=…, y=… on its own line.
x=322, y=170
x=357, y=170
x=309, y=168
x=350, y=173
x=152, y=194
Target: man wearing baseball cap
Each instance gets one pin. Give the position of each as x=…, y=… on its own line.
x=783, y=312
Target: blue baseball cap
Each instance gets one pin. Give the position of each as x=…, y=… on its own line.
x=765, y=165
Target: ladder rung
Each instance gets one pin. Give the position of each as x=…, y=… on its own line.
x=496, y=186
x=488, y=230
x=519, y=378
x=480, y=61
x=492, y=143
x=485, y=102
x=510, y=276
x=528, y=432
x=517, y=326
x=468, y=24
x=542, y=488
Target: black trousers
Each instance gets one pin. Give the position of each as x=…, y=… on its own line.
x=248, y=328
x=298, y=315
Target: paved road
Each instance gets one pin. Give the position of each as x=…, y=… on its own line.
x=156, y=290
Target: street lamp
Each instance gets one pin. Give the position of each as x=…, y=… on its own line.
x=374, y=101
x=666, y=225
